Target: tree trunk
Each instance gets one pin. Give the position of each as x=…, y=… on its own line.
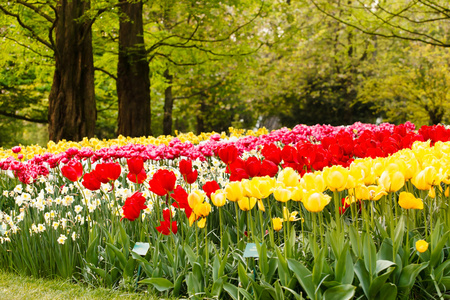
x=168, y=104
x=133, y=74
x=201, y=114
x=72, y=110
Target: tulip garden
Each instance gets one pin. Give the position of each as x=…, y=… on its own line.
x=312, y=212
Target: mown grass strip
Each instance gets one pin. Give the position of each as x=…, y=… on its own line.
x=18, y=287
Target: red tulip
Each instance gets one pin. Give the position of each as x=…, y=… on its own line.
x=91, y=182
x=163, y=181
x=272, y=153
x=210, y=187
x=191, y=177
x=72, y=171
x=108, y=172
x=268, y=168
x=133, y=206
x=166, y=225
x=135, y=165
x=139, y=178
x=252, y=166
x=181, y=200
x=228, y=153
x=185, y=166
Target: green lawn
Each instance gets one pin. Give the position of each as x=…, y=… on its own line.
x=15, y=287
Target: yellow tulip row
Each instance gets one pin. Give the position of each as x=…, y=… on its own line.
x=366, y=179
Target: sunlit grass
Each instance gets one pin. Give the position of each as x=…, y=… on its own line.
x=20, y=287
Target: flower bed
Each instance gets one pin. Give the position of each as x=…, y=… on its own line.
x=319, y=212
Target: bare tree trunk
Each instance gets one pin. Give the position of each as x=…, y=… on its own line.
x=168, y=104
x=72, y=110
x=133, y=74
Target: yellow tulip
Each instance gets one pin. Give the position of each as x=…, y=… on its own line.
x=234, y=191
x=259, y=187
x=296, y=193
x=447, y=192
x=261, y=205
x=336, y=178
x=289, y=177
x=201, y=223
x=432, y=192
x=313, y=181
x=364, y=167
x=281, y=193
x=425, y=178
x=219, y=198
x=277, y=224
x=421, y=246
x=196, y=197
x=391, y=181
x=287, y=216
x=202, y=209
x=314, y=201
x=408, y=201
x=246, y=203
x=376, y=192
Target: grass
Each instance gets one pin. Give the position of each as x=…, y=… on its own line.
x=18, y=287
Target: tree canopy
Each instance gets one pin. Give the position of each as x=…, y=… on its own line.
x=215, y=64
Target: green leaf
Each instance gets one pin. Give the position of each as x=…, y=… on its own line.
x=178, y=284
x=436, y=253
x=161, y=284
x=144, y=263
x=232, y=290
x=129, y=268
x=408, y=276
x=119, y=254
x=318, y=266
x=344, y=272
x=439, y=271
x=383, y=265
x=340, y=292
x=218, y=286
x=363, y=276
x=369, y=251
x=92, y=251
x=388, y=292
x=283, y=269
x=192, y=257
x=243, y=278
x=386, y=249
x=304, y=277
x=355, y=240
x=378, y=282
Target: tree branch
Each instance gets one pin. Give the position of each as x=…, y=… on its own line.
x=7, y=114
x=36, y=10
x=33, y=33
x=106, y=72
x=424, y=38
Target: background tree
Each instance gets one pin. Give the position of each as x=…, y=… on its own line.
x=423, y=21
x=61, y=28
x=412, y=83
x=133, y=74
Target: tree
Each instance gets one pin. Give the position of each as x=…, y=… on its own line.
x=410, y=84
x=133, y=74
x=72, y=110
x=423, y=21
x=62, y=31
x=309, y=70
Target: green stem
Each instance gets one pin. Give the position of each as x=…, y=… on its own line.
x=221, y=231
x=237, y=222
x=336, y=211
